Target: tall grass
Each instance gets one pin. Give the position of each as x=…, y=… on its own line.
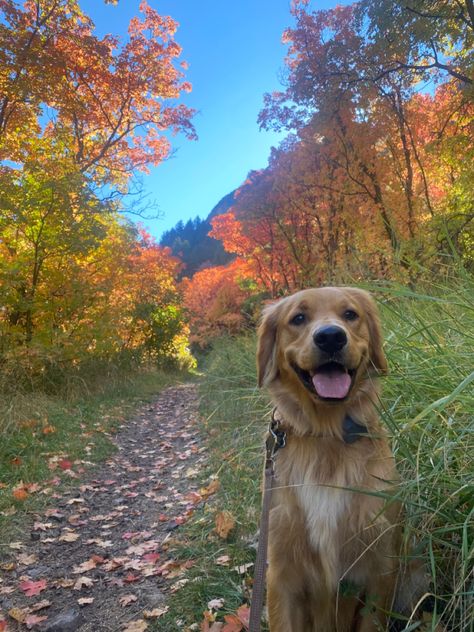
x=428, y=407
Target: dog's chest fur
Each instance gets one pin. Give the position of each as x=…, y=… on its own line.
x=320, y=474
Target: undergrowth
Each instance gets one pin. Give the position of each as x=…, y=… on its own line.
x=428, y=407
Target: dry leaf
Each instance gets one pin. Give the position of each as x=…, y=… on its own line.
x=26, y=560
x=18, y=614
x=70, y=536
x=82, y=582
x=215, y=604
x=126, y=600
x=33, y=619
x=88, y=565
x=31, y=588
x=243, y=568
x=225, y=522
x=84, y=601
x=45, y=603
x=155, y=613
x=139, y=625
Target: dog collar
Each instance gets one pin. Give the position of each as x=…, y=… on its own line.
x=352, y=431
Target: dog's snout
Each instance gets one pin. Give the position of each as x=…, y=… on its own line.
x=330, y=338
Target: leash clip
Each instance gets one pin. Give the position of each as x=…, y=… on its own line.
x=276, y=439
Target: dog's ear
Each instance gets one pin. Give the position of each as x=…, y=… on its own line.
x=267, y=369
x=377, y=355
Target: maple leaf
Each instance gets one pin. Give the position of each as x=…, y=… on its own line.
x=126, y=600
x=212, y=488
x=31, y=588
x=151, y=558
x=232, y=624
x=19, y=614
x=82, y=582
x=42, y=526
x=88, y=565
x=26, y=560
x=243, y=612
x=20, y=493
x=155, y=613
x=85, y=601
x=69, y=536
x=130, y=578
x=225, y=522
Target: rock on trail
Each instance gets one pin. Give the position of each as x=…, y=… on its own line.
x=97, y=558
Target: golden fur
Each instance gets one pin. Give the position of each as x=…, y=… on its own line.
x=333, y=545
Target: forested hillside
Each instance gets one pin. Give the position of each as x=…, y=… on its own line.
x=190, y=242
x=375, y=178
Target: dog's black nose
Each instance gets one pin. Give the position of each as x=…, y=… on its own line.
x=330, y=339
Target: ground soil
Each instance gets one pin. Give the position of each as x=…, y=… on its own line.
x=108, y=538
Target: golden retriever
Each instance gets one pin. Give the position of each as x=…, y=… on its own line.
x=334, y=534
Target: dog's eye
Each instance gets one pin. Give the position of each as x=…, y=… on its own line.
x=298, y=319
x=350, y=314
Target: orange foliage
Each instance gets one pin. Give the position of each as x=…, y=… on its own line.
x=214, y=298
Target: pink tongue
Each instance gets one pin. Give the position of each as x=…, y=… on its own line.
x=334, y=384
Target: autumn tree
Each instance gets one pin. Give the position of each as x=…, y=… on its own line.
x=430, y=39
x=79, y=115
x=214, y=299
x=338, y=91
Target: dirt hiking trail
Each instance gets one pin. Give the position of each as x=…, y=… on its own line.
x=97, y=558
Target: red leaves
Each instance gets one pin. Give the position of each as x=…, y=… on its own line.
x=237, y=622
x=32, y=588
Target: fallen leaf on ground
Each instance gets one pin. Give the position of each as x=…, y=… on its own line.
x=25, y=560
x=45, y=603
x=126, y=600
x=31, y=588
x=69, y=537
x=20, y=493
x=210, y=489
x=18, y=614
x=88, y=565
x=33, y=619
x=84, y=601
x=82, y=582
x=215, y=604
x=155, y=613
x=136, y=626
x=225, y=522
x=16, y=545
x=242, y=568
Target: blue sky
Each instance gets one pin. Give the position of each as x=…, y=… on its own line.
x=235, y=55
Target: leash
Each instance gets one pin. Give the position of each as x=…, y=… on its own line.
x=276, y=439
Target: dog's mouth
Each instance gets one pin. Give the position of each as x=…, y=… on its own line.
x=331, y=381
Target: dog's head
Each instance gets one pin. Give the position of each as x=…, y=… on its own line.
x=326, y=340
